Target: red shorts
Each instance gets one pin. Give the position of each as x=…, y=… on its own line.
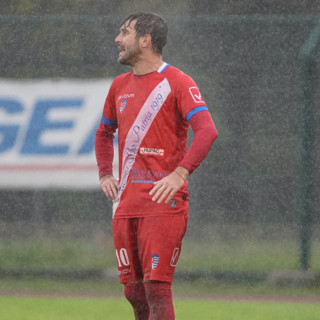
x=148, y=248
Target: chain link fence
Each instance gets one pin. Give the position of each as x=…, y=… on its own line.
x=247, y=190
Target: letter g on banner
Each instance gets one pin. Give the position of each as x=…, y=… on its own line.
x=9, y=132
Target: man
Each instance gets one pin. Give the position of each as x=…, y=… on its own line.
x=151, y=107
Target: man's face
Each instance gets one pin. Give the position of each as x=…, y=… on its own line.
x=128, y=44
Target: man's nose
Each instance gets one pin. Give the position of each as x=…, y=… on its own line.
x=117, y=39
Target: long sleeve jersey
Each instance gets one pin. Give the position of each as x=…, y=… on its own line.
x=152, y=113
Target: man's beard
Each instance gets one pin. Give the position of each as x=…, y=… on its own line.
x=130, y=57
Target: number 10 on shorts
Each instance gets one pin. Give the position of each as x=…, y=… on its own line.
x=122, y=257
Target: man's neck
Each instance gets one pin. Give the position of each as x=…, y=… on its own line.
x=146, y=66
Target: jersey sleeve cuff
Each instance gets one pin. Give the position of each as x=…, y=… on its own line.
x=187, y=166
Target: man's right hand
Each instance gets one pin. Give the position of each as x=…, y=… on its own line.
x=109, y=185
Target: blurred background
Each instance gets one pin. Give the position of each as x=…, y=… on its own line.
x=254, y=201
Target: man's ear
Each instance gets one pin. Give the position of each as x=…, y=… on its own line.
x=146, y=41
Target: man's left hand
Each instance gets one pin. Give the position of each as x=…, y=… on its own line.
x=167, y=187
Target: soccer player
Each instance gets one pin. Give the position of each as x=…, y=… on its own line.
x=152, y=107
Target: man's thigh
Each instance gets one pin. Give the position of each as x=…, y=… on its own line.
x=160, y=245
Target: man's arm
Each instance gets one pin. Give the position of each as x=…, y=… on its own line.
x=104, y=153
x=205, y=134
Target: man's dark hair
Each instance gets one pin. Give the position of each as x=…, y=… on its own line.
x=153, y=24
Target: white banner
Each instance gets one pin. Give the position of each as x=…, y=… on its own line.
x=47, y=130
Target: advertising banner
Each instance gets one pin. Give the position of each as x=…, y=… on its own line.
x=47, y=130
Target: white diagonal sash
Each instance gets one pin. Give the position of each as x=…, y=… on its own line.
x=138, y=131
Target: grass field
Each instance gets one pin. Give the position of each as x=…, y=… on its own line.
x=198, y=289
x=226, y=248
x=72, y=300
x=19, y=308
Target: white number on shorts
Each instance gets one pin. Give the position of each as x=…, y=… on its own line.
x=122, y=257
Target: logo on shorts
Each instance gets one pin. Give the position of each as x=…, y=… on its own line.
x=124, y=272
x=154, y=261
x=174, y=258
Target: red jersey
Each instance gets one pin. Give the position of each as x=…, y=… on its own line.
x=151, y=113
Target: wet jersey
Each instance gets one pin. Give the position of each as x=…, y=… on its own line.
x=151, y=113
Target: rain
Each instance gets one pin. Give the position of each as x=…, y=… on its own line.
x=254, y=226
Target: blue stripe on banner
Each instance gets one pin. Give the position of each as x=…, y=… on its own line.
x=108, y=122
x=165, y=68
x=194, y=111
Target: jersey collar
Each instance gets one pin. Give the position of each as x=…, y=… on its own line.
x=163, y=67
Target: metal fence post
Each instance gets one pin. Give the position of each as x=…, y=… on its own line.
x=306, y=135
